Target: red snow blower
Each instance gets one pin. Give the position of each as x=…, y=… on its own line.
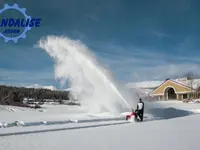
x=133, y=114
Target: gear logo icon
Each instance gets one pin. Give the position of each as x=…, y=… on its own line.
x=27, y=28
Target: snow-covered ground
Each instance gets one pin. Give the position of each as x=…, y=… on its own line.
x=167, y=125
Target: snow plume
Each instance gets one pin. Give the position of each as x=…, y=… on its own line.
x=89, y=82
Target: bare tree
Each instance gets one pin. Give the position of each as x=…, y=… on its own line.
x=190, y=77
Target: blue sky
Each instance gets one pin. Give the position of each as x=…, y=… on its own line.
x=137, y=40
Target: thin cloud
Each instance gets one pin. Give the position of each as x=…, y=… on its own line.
x=17, y=76
x=159, y=34
x=126, y=63
x=136, y=64
x=93, y=17
x=161, y=72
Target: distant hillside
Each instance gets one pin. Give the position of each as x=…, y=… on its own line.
x=37, y=86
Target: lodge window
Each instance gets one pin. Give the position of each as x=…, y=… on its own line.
x=184, y=96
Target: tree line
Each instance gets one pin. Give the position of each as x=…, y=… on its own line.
x=31, y=93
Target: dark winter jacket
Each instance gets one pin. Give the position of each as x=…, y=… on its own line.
x=140, y=106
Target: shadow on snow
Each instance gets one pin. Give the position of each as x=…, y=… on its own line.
x=168, y=113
